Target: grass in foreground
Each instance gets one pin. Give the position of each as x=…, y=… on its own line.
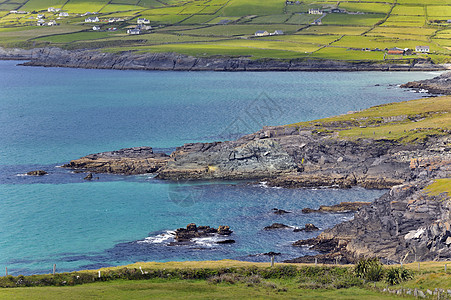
x=227, y=279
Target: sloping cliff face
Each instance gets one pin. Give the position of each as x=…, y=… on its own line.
x=437, y=85
x=404, y=225
x=91, y=59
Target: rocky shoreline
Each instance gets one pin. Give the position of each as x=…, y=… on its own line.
x=93, y=59
x=405, y=224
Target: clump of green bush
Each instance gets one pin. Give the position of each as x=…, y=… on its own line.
x=396, y=275
x=370, y=269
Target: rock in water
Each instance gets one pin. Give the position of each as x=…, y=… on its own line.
x=342, y=207
x=37, y=173
x=193, y=231
x=88, y=177
x=308, y=227
x=276, y=226
x=280, y=211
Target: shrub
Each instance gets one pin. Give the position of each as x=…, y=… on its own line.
x=369, y=269
x=397, y=275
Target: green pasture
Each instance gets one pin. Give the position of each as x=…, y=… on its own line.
x=340, y=30
x=301, y=19
x=406, y=25
x=406, y=10
x=366, y=7
x=345, y=19
x=237, y=8
x=347, y=54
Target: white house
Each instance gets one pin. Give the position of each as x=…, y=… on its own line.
x=315, y=11
x=134, y=31
x=41, y=16
x=51, y=23
x=143, y=21
x=52, y=9
x=423, y=49
x=41, y=22
x=13, y=11
x=277, y=32
x=261, y=33
x=92, y=20
x=95, y=27
x=64, y=14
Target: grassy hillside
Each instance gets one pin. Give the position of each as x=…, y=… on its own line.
x=402, y=121
x=362, y=31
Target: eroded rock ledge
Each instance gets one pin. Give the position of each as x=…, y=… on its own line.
x=92, y=59
x=437, y=85
x=403, y=225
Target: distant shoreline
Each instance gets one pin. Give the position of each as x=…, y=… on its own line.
x=91, y=59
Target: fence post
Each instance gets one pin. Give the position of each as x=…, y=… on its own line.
x=316, y=261
x=445, y=268
x=418, y=266
x=6, y=271
x=99, y=273
x=272, y=261
x=54, y=269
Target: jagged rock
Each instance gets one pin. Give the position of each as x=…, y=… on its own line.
x=37, y=173
x=137, y=160
x=226, y=242
x=402, y=225
x=276, y=226
x=272, y=253
x=91, y=59
x=88, y=177
x=280, y=211
x=308, y=227
x=193, y=231
x=437, y=85
x=342, y=207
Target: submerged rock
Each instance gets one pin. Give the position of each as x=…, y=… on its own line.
x=37, y=173
x=280, y=211
x=342, y=207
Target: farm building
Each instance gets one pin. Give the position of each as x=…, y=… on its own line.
x=143, y=21
x=95, y=28
x=315, y=11
x=134, y=31
x=395, y=51
x=91, y=19
x=52, y=23
x=52, y=9
x=64, y=14
x=277, y=32
x=424, y=49
x=261, y=33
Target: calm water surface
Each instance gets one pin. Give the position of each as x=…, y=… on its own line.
x=49, y=116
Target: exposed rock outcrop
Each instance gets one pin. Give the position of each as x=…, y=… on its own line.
x=276, y=226
x=37, y=173
x=437, y=85
x=403, y=225
x=193, y=231
x=92, y=59
x=342, y=207
x=137, y=160
x=308, y=228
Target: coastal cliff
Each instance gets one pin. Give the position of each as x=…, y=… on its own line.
x=437, y=85
x=405, y=225
x=92, y=59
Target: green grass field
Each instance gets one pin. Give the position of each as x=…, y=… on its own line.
x=225, y=279
x=367, y=24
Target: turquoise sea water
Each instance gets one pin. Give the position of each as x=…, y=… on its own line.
x=49, y=116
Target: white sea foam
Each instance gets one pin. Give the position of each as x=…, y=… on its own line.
x=167, y=236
